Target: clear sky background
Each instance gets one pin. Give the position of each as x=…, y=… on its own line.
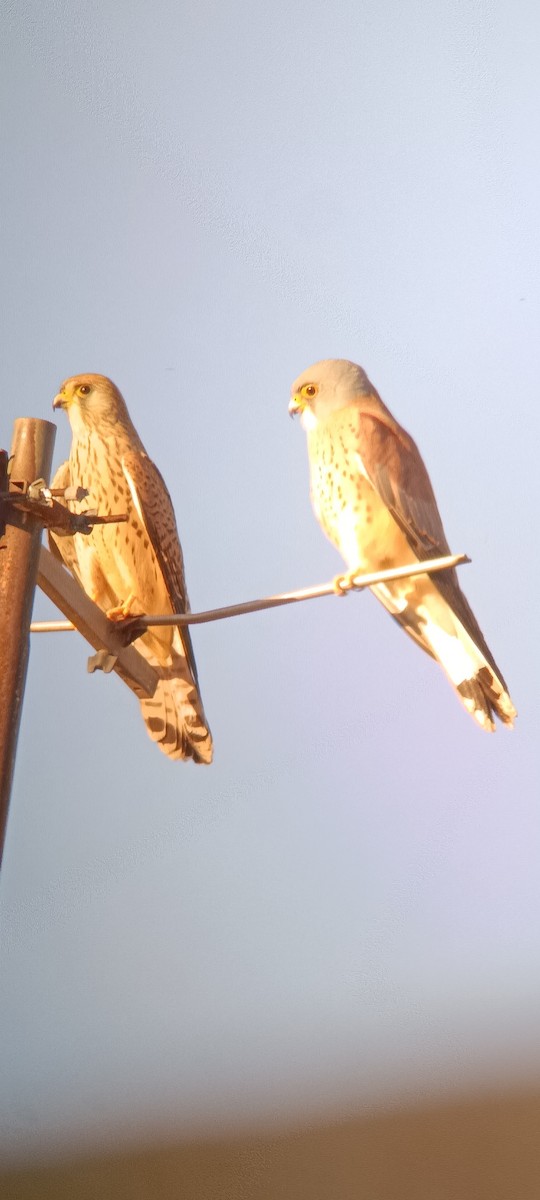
x=199, y=201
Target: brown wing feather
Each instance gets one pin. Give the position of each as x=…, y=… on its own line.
x=397, y=472
x=157, y=514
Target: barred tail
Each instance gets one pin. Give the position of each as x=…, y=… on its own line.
x=174, y=715
x=472, y=671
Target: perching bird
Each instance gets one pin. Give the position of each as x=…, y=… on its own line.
x=373, y=498
x=136, y=566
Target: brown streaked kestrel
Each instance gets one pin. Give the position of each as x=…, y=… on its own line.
x=373, y=498
x=136, y=566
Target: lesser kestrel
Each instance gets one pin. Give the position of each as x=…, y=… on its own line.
x=134, y=567
x=373, y=498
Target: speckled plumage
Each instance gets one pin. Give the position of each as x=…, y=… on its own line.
x=136, y=565
x=373, y=497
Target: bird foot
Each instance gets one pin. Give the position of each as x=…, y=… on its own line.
x=344, y=583
x=123, y=611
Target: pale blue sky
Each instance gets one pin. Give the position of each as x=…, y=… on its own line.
x=200, y=201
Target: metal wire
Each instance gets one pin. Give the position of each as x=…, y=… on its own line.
x=237, y=610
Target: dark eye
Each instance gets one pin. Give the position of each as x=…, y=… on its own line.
x=310, y=389
x=83, y=389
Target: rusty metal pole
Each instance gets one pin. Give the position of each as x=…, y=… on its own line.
x=31, y=454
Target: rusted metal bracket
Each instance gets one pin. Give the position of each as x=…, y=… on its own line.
x=36, y=500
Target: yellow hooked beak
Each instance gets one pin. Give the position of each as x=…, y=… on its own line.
x=60, y=401
x=296, y=405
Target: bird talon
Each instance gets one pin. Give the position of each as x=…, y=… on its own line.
x=342, y=584
x=121, y=612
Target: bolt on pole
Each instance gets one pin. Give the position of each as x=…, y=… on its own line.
x=31, y=457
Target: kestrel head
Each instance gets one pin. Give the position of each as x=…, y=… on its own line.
x=90, y=401
x=326, y=387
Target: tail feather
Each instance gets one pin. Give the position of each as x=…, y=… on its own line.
x=473, y=673
x=484, y=697
x=476, y=682
x=174, y=715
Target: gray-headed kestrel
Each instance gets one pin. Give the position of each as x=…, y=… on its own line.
x=136, y=566
x=373, y=498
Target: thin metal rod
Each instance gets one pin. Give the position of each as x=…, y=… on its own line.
x=31, y=455
x=52, y=627
x=237, y=610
